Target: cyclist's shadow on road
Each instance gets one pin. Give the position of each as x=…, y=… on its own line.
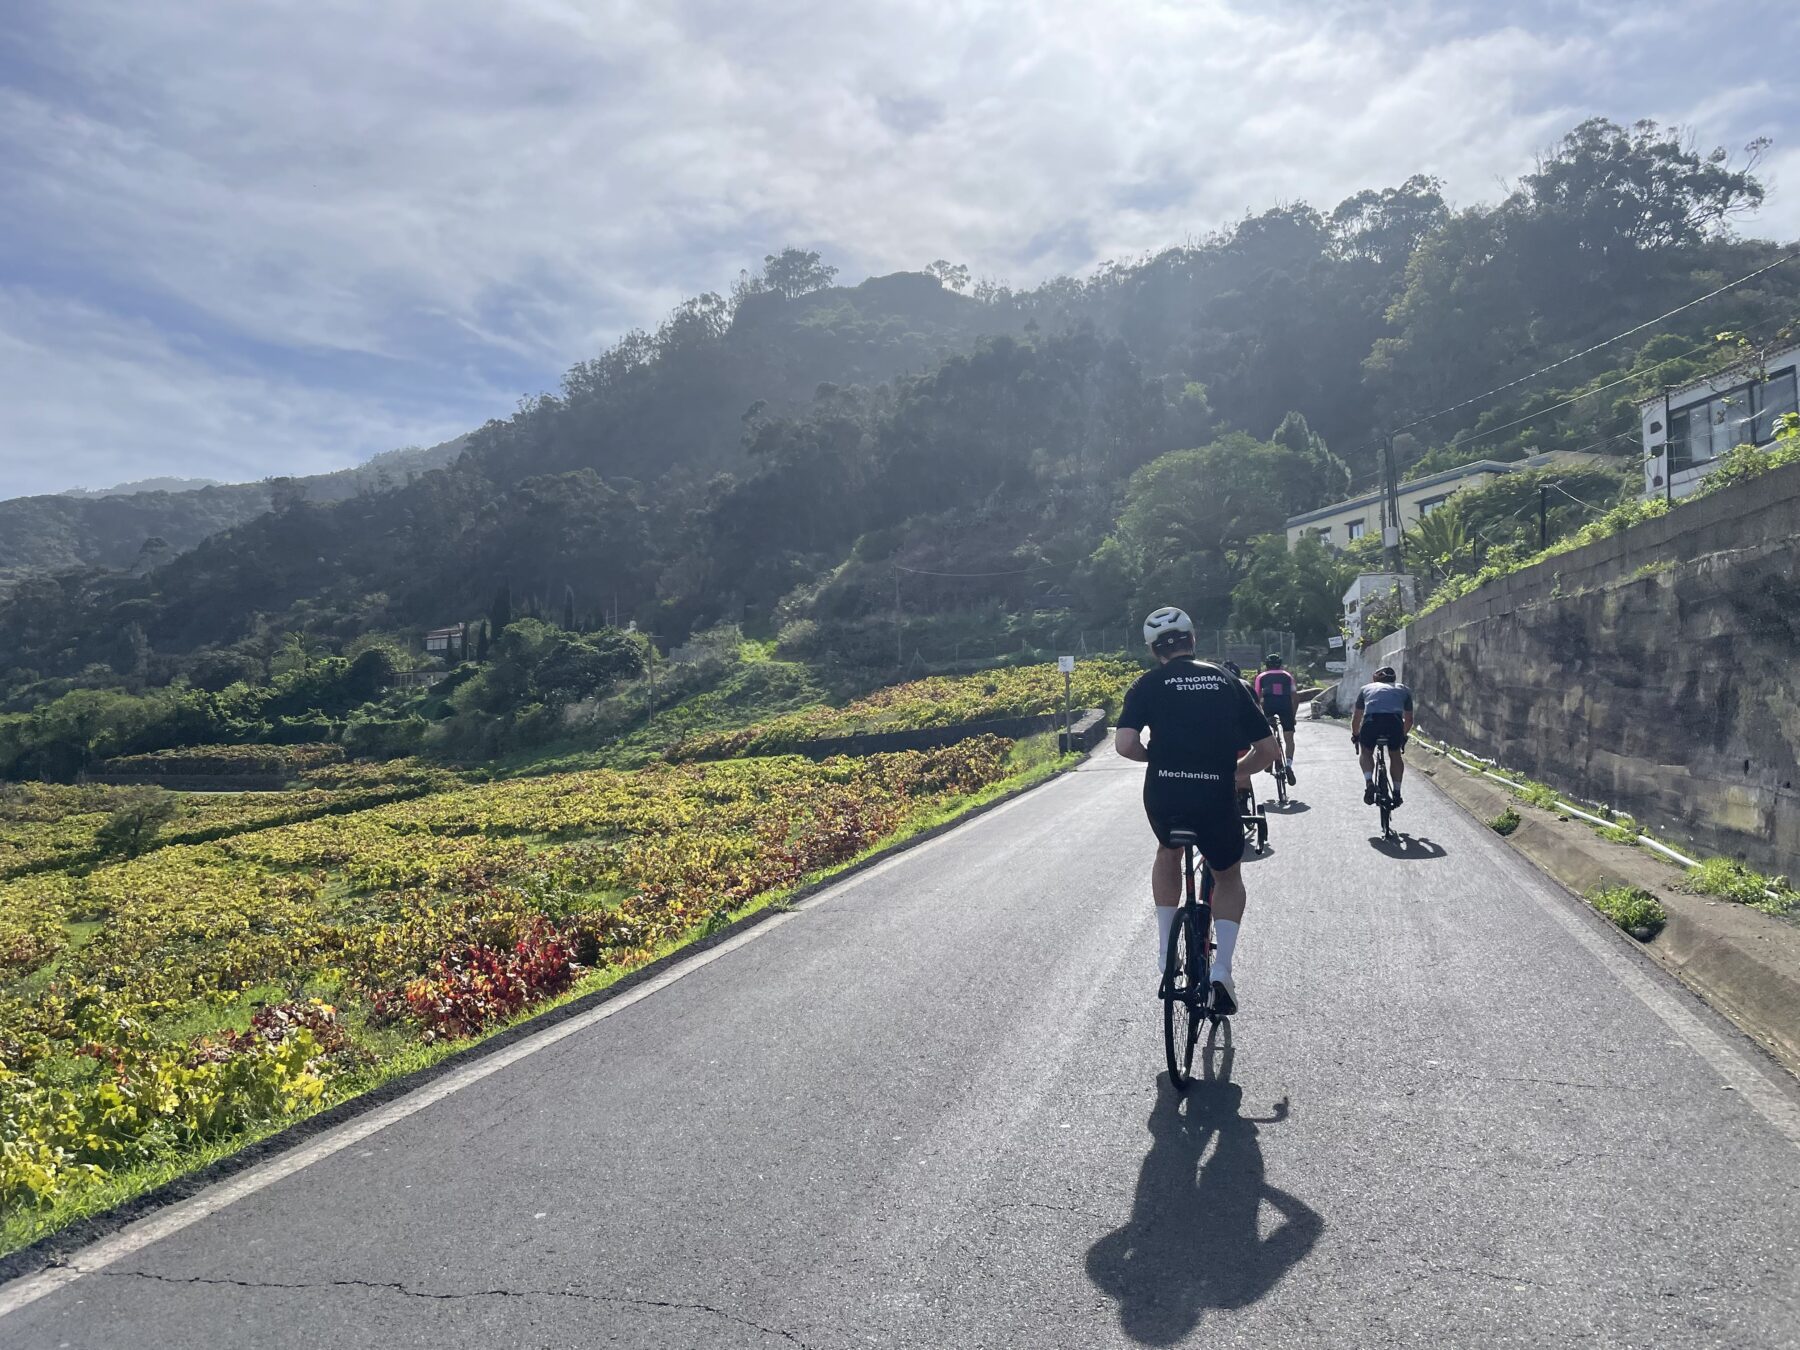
x=1192, y=1241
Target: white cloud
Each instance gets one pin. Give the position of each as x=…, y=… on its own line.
x=479, y=194
x=137, y=404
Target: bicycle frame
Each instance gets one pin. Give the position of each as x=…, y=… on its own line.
x=1384, y=797
x=1196, y=908
x=1188, y=989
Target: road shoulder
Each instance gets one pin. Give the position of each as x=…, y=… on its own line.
x=1743, y=963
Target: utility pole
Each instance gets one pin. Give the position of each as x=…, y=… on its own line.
x=1390, y=507
x=1543, y=517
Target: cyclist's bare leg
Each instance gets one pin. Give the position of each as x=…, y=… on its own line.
x=1228, y=894
x=1228, y=913
x=1165, y=878
x=1287, y=742
x=1396, y=765
x=1165, y=889
x=1366, y=755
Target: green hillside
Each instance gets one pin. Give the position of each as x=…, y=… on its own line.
x=909, y=471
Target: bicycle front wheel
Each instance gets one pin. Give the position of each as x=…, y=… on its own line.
x=1187, y=986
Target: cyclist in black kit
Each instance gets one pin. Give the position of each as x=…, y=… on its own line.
x=1201, y=720
x=1274, y=689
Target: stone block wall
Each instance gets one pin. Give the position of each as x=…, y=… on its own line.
x=1654, y=671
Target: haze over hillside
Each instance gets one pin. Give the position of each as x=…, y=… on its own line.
x=775, y=455
x=142, y=485
x=327, y=239
x=110, y=527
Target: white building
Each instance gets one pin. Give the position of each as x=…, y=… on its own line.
x=1344, y=522
x=1705, y=419
x=1370, y=587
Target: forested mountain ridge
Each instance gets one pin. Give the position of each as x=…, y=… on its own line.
x=111, y=528
x=781, y=455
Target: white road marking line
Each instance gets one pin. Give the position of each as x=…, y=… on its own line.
x=166, y=1222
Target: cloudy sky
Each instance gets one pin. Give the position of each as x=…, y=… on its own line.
x=246, y=238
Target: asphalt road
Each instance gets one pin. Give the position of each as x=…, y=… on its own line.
x=927, y=1109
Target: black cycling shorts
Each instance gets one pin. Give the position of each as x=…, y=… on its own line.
x=1209, y=809
x=1285, y=716
x=1390, y=727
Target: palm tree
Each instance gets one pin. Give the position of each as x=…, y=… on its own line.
x=1441, y=544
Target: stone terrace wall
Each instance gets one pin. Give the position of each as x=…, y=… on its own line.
x=1654, y=671
x=929, y=738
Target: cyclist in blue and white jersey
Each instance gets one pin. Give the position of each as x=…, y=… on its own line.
x=1384, y=711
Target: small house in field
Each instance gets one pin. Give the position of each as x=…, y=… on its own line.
x=449, y=643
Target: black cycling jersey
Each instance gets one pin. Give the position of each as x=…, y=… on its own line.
x=1200, y=719
x=1276, y=688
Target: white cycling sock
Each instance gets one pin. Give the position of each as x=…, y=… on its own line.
x=1369, y=776
x=1165, y=921
x=1225, y=936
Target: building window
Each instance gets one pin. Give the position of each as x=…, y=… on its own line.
x=1431, y=504
x=1355, y=529
x=1747, y=415
x=1775, y=400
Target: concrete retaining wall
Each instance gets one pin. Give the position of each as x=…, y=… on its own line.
x=1088, y=730
x=1653, y=671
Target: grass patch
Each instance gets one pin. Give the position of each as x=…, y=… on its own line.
x=1729, y=880
x=1537, y=794
x=1618, y=834
x=1505, y=823
x=1631, y=907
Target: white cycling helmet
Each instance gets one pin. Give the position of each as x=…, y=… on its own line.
x=1166, y=625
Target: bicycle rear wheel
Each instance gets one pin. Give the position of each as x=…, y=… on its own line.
x=1384, y=796
x=1187, y=990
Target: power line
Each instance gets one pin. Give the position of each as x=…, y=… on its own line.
x=1476, y=437
x=1589, y=351
x=1587, y=393
x=1572, y=497
x=1786, y=257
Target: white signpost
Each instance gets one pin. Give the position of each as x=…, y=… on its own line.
x=1066, y=664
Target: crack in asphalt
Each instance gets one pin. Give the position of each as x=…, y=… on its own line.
x=396, y=1287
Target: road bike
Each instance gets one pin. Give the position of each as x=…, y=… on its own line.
x=1187, y=992
x=1255, y=821
x=1384, y=796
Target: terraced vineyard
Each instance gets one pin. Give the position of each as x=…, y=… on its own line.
x=938, y=701
x=288, y=949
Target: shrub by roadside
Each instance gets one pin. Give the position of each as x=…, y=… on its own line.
x=1632, y=908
